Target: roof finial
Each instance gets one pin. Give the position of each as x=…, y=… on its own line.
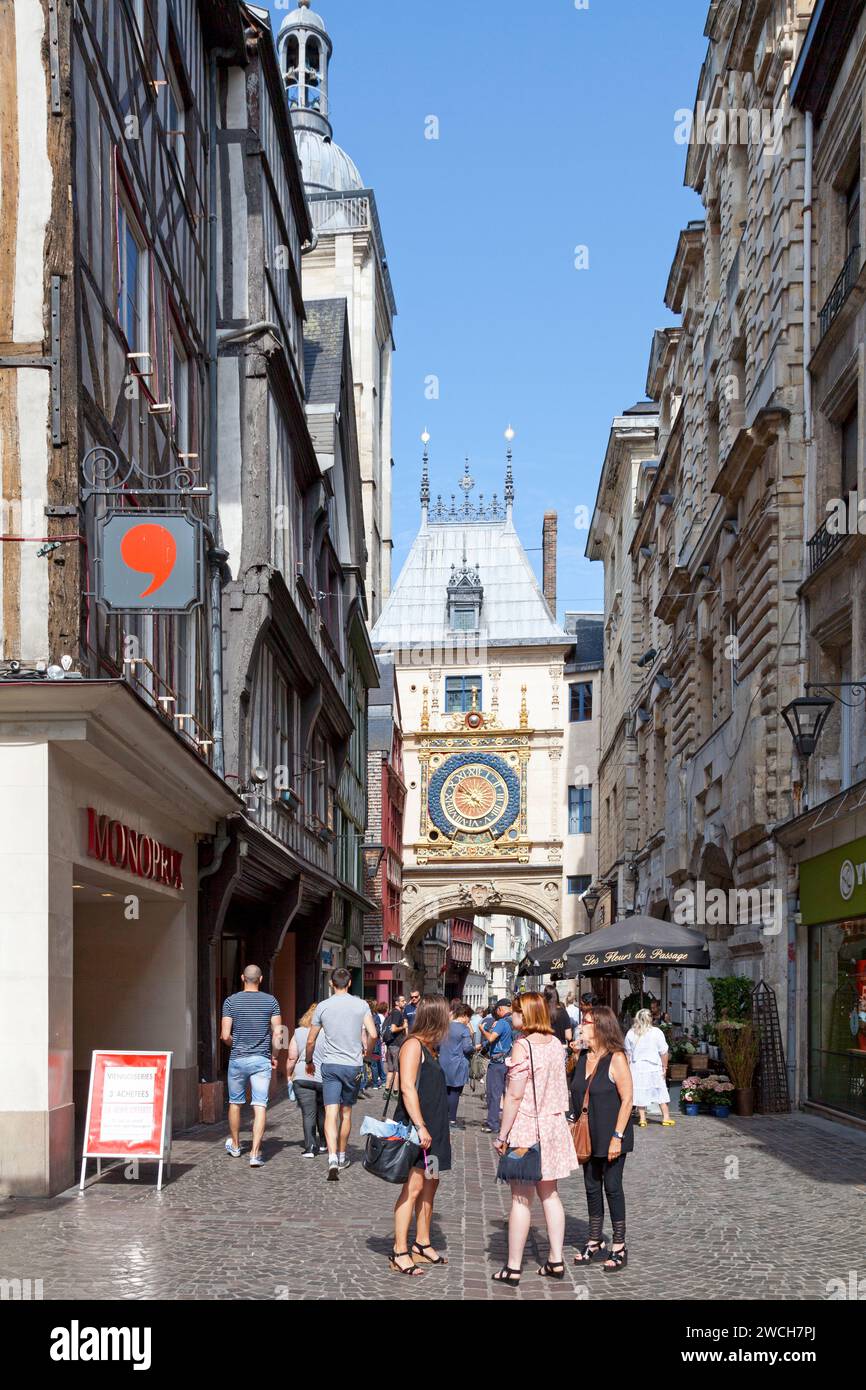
x=509, y=475
x=304, y=3
x=425, y=476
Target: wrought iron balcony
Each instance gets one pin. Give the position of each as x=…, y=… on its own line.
x=840, y=291
x=822, y=545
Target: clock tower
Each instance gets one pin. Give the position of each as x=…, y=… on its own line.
x=478, y=657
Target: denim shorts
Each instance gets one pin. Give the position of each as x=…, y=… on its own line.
x=254, y=1069
x=340, y=1084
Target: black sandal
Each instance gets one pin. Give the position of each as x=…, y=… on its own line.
x=507, y=1276
x=439, y=1260
x=552, y=1271
x=619, y=1259
x=398, y=1269
x=593, y=1250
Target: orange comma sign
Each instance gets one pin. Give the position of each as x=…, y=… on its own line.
x=149, y=549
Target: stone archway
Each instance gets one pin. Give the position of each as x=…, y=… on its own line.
x=534, y=895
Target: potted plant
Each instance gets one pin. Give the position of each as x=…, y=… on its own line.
x=692, y=1094
x=739, y=1043
x=681, y=1054
x=718, y=1092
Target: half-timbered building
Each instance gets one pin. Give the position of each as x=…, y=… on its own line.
x=153, y=436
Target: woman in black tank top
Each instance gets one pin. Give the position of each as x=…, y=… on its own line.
x=424, y=1104
x=604, y=1072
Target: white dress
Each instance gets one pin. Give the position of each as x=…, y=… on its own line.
x=644, y=1056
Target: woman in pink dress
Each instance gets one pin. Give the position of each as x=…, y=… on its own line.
x=531, y=1115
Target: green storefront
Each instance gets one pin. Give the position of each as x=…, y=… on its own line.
x=833, y=908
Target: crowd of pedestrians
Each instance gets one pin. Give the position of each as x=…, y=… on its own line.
x=561, y=1083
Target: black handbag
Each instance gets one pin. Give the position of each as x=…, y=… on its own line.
x=391, y=1159
x=523, y=1164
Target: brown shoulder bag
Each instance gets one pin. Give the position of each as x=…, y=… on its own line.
x=580, y=1129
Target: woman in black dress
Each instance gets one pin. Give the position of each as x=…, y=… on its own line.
x=560, y=1019
x=603, y=1068
x=423, y=1103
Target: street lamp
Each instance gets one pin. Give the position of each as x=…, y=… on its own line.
x=590, y=902
x=805, y=719
x=373, y=856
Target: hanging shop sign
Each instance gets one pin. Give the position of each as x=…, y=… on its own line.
x=833, y=885
x=150, y=562
x=114, y=843
x=128, y=1109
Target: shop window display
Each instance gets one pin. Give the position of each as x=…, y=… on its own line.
x=837, y=1021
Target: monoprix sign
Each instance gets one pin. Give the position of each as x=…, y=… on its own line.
x=150, y=562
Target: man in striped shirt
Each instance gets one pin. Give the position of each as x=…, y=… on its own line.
x=251, y=1026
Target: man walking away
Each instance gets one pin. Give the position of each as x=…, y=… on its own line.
x=394, y=1030
x=251, y=1026
x=500, y=1038
x=348, y=1030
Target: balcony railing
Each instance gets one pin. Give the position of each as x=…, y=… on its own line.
x=840, y=290
x=822, y=545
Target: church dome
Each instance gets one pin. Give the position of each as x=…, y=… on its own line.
x=325, y=166
x=304, y=16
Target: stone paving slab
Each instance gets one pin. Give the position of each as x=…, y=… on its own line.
x=772, y=1207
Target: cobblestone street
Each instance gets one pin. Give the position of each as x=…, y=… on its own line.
x=790, y=1221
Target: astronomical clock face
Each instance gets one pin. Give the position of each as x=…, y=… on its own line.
x=474, y=795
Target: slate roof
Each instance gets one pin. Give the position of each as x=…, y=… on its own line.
x=588, y=632
x=324, y=334
x=513, y=612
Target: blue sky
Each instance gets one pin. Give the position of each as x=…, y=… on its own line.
x=556, y=131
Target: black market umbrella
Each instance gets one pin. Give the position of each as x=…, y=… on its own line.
x=548, y=956
x=636, y=943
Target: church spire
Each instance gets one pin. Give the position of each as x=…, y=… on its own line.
x=509, y=475
x=425, y=478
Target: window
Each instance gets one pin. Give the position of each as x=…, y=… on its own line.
x=175, y=116
x=579, y=810
x=458, y=693
x=580, y=701
x=852, y=217
x=578, y=883
x=179, y=391
x=849, y=453
x=464, y=617
x=133, y=299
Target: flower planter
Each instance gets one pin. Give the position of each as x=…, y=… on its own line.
x=744, y=1101
x=700, y=1062
x=691, y=1107
x=679, y=1071
x=722, y=1111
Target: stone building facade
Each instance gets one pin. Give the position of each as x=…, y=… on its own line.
x=716, y=552
x=583, y=677
x=630, y=451
x=825, y=841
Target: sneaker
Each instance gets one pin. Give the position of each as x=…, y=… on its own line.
x=344, y=1163
x=256, y=1161
x=485, y=1129
x=333, y=1170
x=230, y=1149
x=309, y=1153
